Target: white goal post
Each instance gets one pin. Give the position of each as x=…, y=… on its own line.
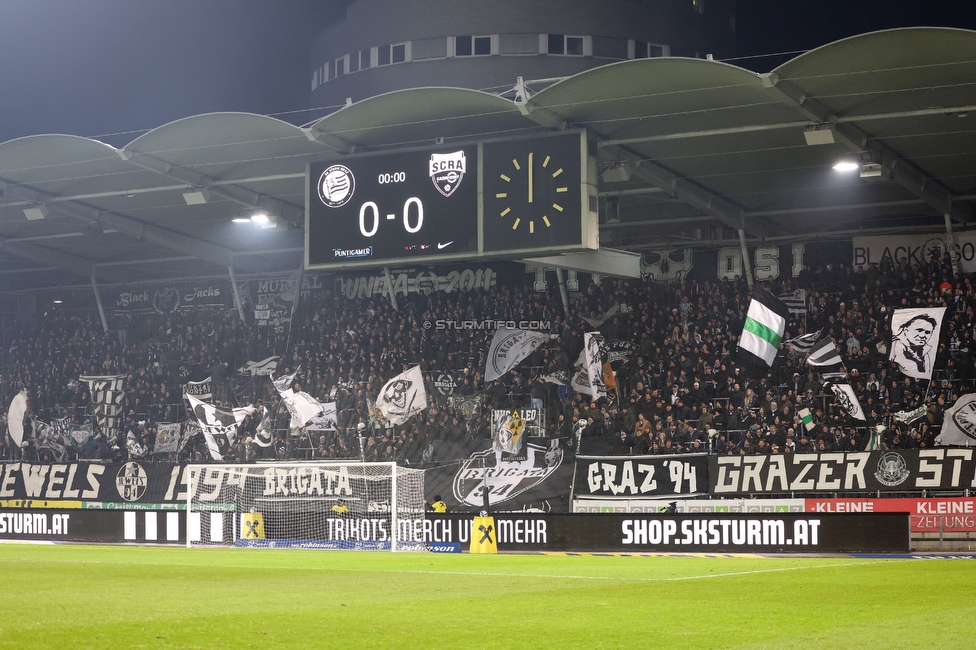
x=329, y=505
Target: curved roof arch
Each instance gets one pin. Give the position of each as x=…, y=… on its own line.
x=692, y=143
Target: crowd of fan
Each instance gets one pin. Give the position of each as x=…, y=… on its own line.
x=680, y=389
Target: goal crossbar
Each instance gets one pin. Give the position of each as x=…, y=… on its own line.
x=328, y=504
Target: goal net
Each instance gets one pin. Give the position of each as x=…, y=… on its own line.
x=329, y=505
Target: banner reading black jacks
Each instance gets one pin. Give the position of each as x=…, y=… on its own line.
x=124, y=485
x=884, y=471
x=640, y=476
x=692, y=532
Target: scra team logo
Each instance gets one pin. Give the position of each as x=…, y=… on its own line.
x=336, y=186
x=447, y=171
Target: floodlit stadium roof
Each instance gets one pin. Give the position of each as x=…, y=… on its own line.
x=684, y=144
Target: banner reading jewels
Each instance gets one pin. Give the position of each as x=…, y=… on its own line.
x=640, y=476
x=124, y=485
x=884, y=471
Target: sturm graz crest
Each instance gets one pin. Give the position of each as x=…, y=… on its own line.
x=336, y=186
x=447, y=171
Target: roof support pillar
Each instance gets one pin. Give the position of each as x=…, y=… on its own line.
x=746, y=262
x=237, y=293
x=98, y=301
x=389, y=288
x=951, y=244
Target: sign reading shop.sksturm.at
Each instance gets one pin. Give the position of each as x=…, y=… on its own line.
x=784, y=532
x=641, y=476
x=885, y=471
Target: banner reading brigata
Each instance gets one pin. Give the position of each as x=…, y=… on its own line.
x=885, y=471
x=641, y=476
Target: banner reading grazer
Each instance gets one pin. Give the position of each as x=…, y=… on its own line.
x=640, y=476
x=885, y=471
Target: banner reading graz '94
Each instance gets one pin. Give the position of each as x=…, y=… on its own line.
x=885, y=471
x=640, y=476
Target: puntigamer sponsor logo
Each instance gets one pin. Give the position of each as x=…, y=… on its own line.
x=742, y=532
x=352, y=253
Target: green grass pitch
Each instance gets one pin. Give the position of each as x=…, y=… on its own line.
x=70, y=596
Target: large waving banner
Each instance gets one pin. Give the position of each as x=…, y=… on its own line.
x=108, y=400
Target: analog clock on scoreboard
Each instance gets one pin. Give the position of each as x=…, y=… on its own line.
x=393, y=207
x=534, y=193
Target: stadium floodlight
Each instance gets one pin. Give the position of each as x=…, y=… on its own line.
x=845, y=166
x=327, y=505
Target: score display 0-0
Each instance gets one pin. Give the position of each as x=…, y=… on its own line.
x=407, y=206
x=393, y=206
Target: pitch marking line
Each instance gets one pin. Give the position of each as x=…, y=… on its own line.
x=611, y=578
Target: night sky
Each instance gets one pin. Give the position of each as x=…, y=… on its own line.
x=112, y=69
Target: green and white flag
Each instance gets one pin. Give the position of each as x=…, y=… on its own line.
x=807, y=418
x=874, y=440
x=763, y=329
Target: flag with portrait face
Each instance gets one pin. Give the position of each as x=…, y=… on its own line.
x=915, y=340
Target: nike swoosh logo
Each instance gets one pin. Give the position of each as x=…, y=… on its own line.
x=440, y=246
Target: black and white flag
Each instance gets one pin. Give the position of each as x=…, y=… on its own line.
x=403, y=396
x=795, y=301
x=219, y=426
x=259, y=368
x=845, y=398
x=824, y=354
x=509, y=348
x=908, y=417
x=959, y=425
x=167, y=438
x=284, y=382
x=108, y=401
x=326, y=420
x=200, y=389
x=804, y=343
x=594, y=353
x=262, y=433
x=915, y=340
